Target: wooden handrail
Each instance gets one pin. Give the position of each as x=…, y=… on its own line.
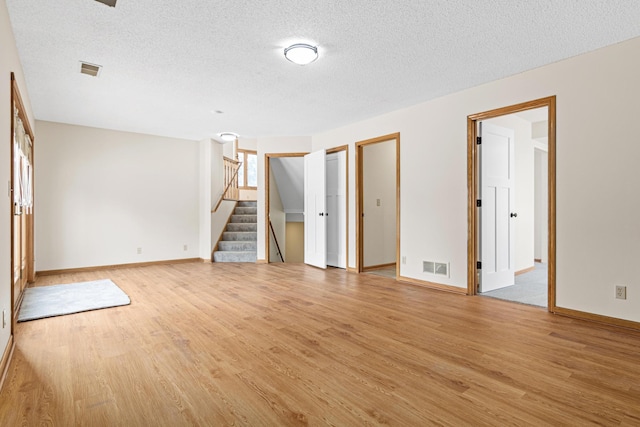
x=275, y=239
x=231, y=168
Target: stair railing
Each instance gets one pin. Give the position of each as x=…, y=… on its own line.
x=275, y=239
x=231, y=190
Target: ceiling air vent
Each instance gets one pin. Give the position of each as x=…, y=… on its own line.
x=90, y=69
x=111, y=3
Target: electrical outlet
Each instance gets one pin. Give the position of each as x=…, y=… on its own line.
x=377, y=202
x=4, y=319
x=404, y=259
x=186, y=247
x=621, y=292
x=139, y=251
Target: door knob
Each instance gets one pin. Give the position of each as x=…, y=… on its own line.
x=514, y=215
x=321, y=214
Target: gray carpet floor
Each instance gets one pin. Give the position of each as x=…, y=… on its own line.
x=530, y=288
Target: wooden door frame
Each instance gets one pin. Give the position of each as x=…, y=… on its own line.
x=360, y=198
x=267, y=184
x=472, y=190
x=29, y=220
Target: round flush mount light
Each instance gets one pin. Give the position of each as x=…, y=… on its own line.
x=228, y=136
x=301, y=53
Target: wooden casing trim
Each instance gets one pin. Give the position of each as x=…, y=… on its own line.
x=360, y=198
x=6, y=359
x=525, y=270
x=15, y=93
x=472, y=190
x=244, y=166
x=576, y=314
x=267, y=189
x=431, y=285
x=118, y=266
x=16, y=99
x=378, y=267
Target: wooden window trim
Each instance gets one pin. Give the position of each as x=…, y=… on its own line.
x=242, y=185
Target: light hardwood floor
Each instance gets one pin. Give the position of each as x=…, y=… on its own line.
x=287, y=344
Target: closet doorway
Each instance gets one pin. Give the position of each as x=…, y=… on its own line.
x=378, y=204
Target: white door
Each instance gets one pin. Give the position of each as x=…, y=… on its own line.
x=496, y=214
x=315, y=236
x=336, y=209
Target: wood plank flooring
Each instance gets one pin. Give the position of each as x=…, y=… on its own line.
x=286, y=344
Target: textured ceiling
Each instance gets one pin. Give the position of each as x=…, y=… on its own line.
x=168, y=65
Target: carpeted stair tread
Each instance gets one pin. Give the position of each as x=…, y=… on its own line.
x=246, y=210
x=242, y=226
x=245, y=236
x=239, y=240
x=244, y=218
x=236, y=245
x=234, y=256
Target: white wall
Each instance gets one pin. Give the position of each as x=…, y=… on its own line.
x=9, y=62
x=597, y=158
x=248, y=144
x=379, y=184
x=206, y=191
x=523, y=224
x=295, y=242
x=102, y=194
x=270, y=145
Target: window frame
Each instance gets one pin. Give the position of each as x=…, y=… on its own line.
x=245, y=153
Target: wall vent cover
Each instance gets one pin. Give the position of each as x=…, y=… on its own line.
x=442, y=269
x=90, y=69
x=428, y=267
x=111, y=3
x=438, y=268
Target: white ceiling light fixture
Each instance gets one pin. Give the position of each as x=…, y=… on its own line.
x=301, y=53
x=228, y=136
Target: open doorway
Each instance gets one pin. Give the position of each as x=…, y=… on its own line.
x=284, y=221
x=512, y=203
x=287, y=221
x=378, y=205
x=524, y=272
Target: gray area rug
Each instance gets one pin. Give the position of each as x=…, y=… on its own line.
x=530, y=288
x=58, y=300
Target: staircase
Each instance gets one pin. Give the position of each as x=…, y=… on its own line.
x=238, y=243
